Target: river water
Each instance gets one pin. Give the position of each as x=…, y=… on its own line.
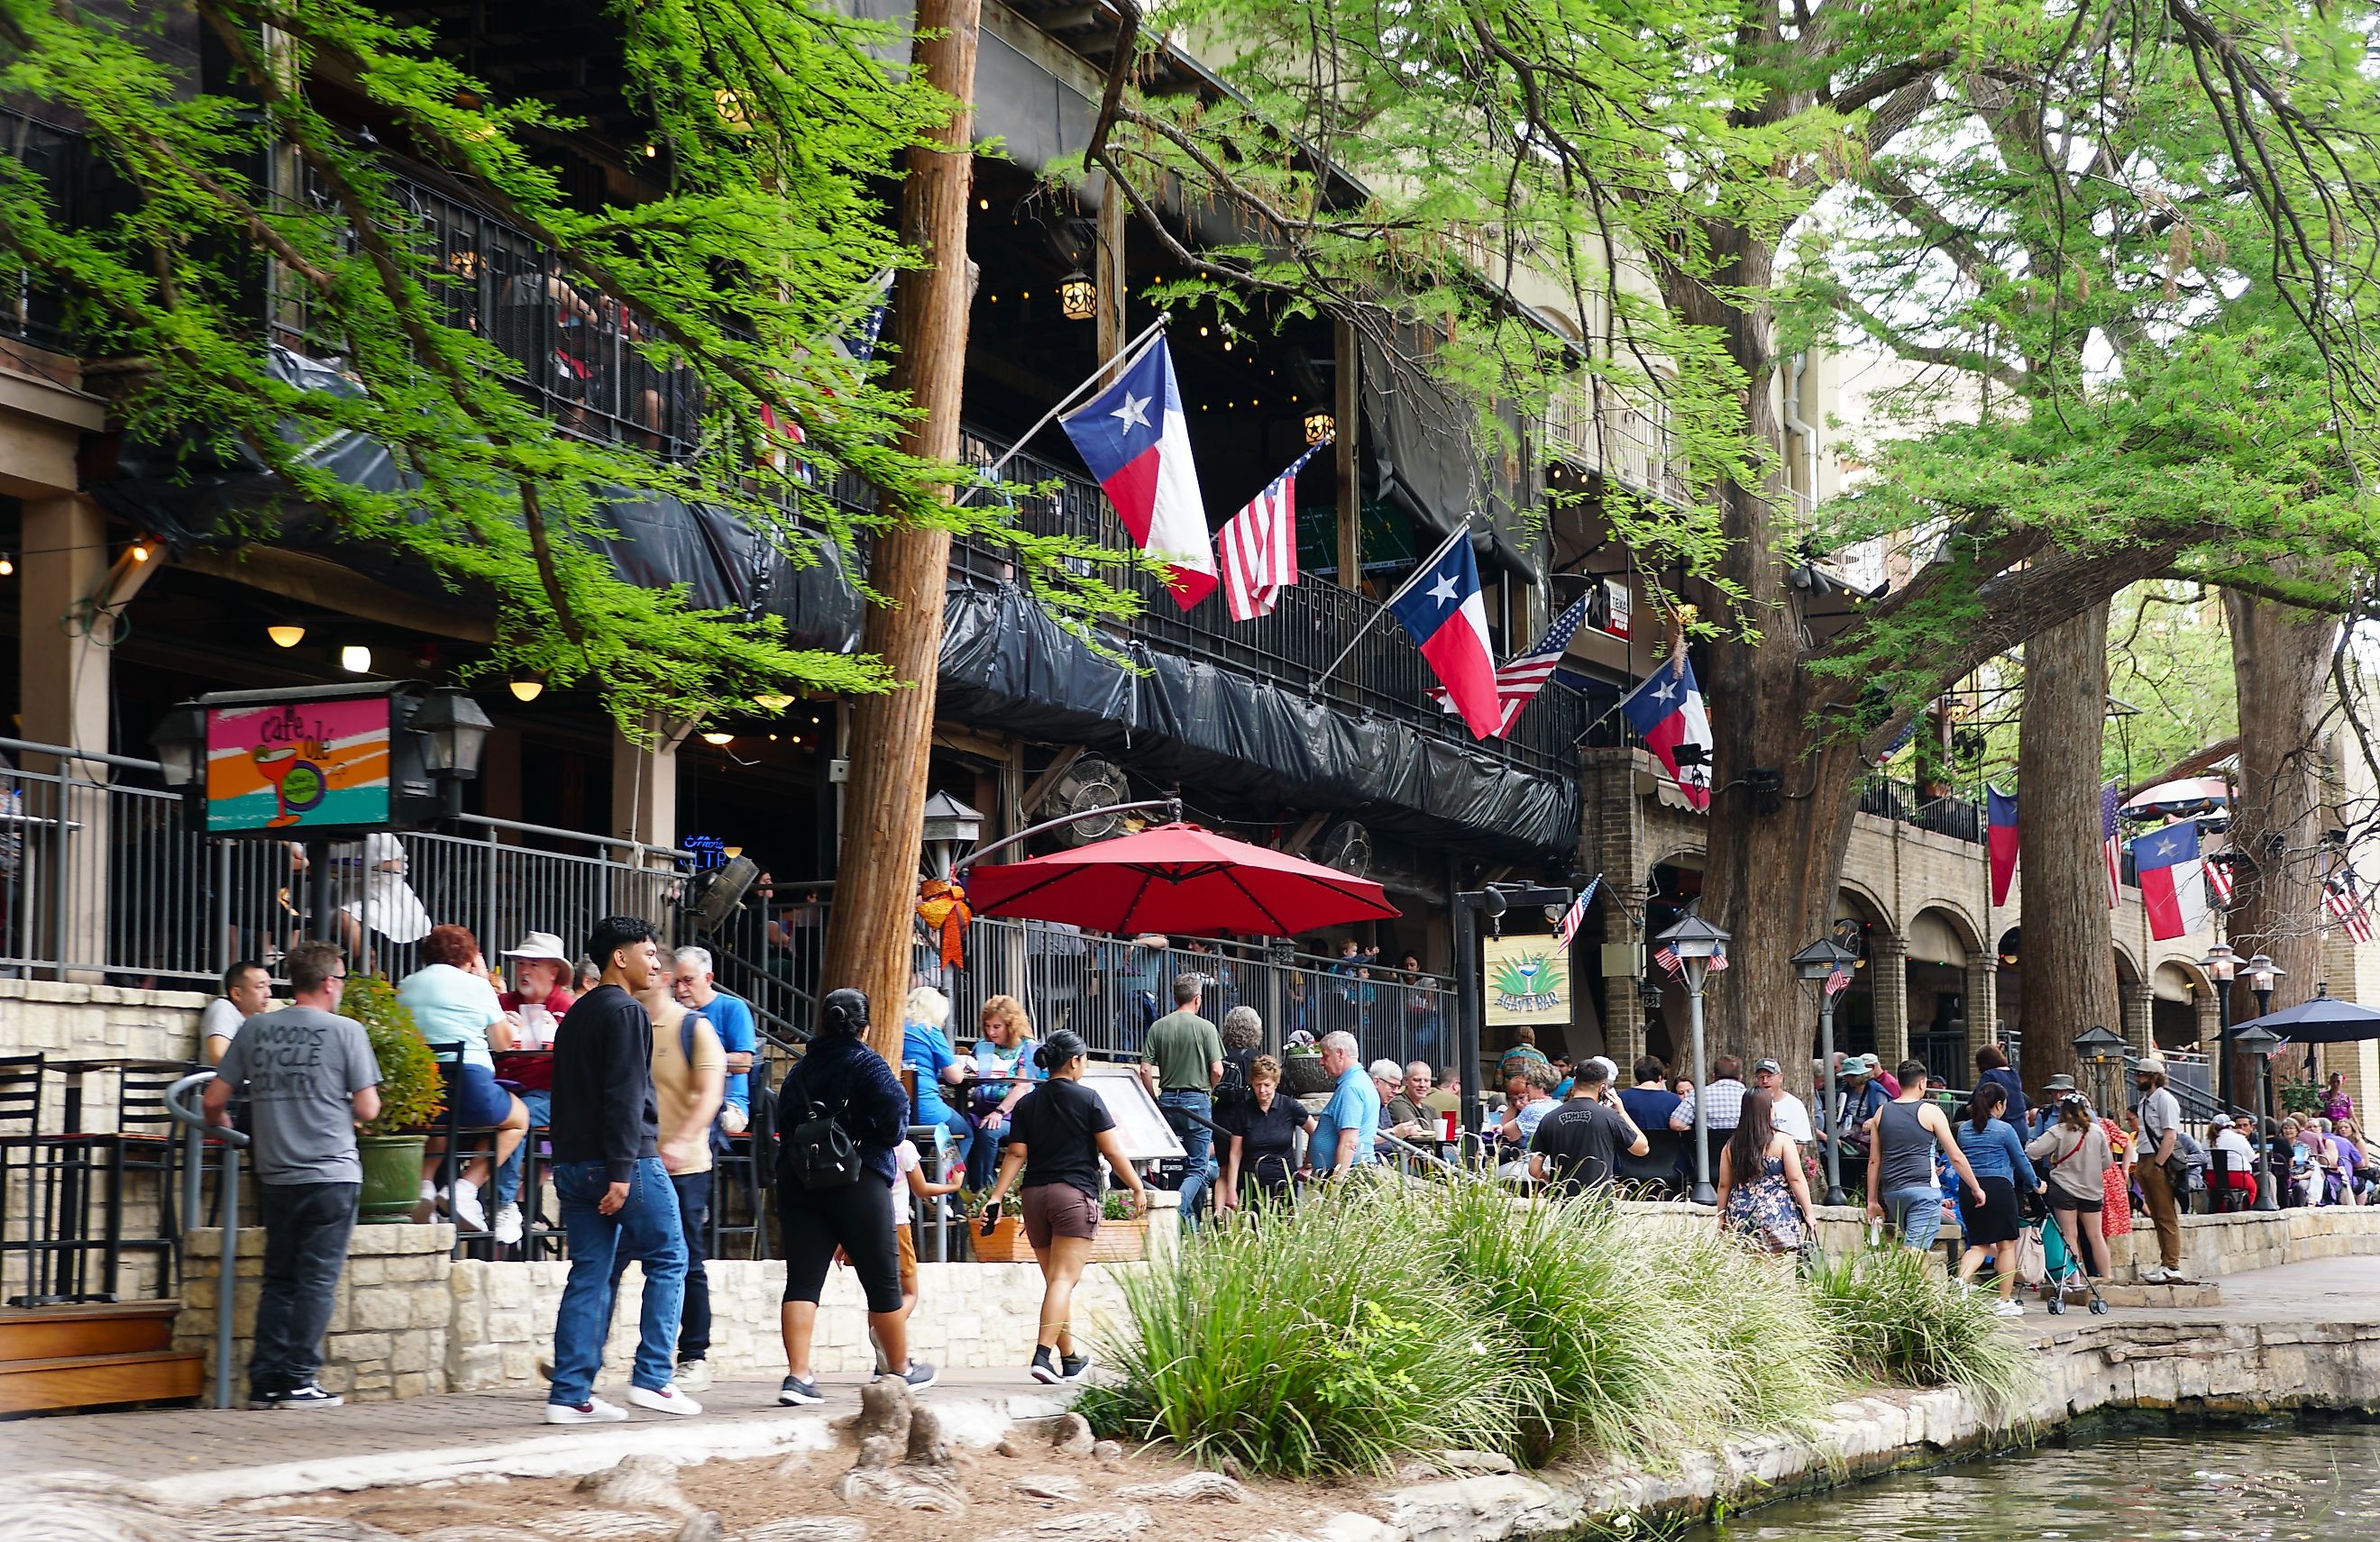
x=2277, y=1482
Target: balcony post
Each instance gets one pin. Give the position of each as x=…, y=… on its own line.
x=1887, y=967
x=1108, y=269
x=644, y=787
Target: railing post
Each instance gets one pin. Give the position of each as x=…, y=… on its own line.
x=227, y=1276
x=489, y=933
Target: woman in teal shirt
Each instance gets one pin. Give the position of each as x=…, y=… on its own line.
x=925, y=1049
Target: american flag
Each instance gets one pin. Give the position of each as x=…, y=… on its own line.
x=2218, y=876
x=1524, y=674
x=2111, y=839
x=1838, y=982
x=1258, y=550
x=2338, y=897
x=1568, y=928
x=1667, y=957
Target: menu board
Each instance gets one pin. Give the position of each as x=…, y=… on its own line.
x=1140, y=1124
x=294, y=765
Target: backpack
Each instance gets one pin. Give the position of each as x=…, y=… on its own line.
x=819, y=1153
x=1233, y=1090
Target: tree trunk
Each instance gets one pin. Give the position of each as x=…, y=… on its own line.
x=2070, y=946
x=868, y=939
x=2280, y=657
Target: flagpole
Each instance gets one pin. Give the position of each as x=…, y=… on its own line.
x=1129, y=354
x=1461, y=533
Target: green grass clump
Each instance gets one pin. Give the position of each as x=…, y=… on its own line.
x=1380, y=1322
x=1900, y=1321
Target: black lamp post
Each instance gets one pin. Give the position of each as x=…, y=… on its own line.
x=1491, y=901
x=2220, y=965
x=2103, y=1053
x=2262, y=973
x=2262, y=1042
x=1821, y=962
x=1696, y=941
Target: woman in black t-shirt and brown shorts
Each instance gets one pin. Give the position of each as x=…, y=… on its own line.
x=1057, y=1136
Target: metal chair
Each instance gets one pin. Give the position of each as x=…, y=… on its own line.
x=465, y=1144
x=21, y=1082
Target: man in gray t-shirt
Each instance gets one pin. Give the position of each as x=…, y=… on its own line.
x=311, y=1079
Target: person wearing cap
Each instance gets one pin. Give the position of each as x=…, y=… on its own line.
x=2239, y=1160
x=1790, y=1114
x=2162, y=1175
x=2045, y=1113
x=1862, y=1098
x=541, y=994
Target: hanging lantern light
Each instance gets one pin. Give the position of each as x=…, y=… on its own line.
x=1319, y=426
x=1078, y=296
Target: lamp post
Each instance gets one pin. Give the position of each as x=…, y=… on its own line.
x=1491, y=901
x=1696, y=941
x=2220, y=965
x=1822, y=962
x=2262, y=973
x=2262, y=1042
x=2103, y=1053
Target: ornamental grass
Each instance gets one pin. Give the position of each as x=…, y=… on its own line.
x=1382, y=1322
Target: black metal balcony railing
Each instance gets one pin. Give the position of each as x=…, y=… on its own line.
x=1889, y=798
x=577, y=354
x=58, y=159
x=1313, y=623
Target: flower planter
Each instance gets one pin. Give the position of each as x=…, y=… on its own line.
x=1303, y=1076
x=1118, y=1242
x=392, y=1177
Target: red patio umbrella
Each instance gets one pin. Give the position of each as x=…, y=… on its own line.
x=1177, y=878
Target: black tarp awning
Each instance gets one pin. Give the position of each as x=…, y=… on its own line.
x=656, y=542
x=1006, y=665
x=1421, y=456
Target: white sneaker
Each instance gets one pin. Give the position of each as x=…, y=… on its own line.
x=509, y=1224
x=693, y=1376
x=593, y=1411
x=2007, y=1309
x=428, y=1192
x=465, y=1207
x=2151, y=1274
x=669, y=1400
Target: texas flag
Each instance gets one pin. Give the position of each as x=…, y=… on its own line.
x=2003, y=838
x=2173, y=879
x=1440, y=606
x=1136, y=442
x=1666, y=710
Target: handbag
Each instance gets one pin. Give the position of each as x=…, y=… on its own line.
x=2032, y=1258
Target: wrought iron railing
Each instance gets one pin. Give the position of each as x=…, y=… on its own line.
x=577, y=354
x=1890, y=798
x=58, y=158
x=1312, y=624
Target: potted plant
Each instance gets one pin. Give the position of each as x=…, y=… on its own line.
x=1301, y=1070
x=410, y=1096
x=1121, y=1239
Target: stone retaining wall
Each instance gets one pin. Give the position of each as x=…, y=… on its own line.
x=388, y=1327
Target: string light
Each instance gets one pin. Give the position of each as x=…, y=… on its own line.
x=139, y=552
x=7, y=565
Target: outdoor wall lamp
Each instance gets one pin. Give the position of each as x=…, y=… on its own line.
x=1078, y=297
x=1696, y=941
x=1319, y=426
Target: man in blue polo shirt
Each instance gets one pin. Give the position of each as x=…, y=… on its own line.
x=1349, y=1123
x=739, y=1034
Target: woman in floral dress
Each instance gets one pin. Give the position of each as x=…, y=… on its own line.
x=1764, y=1195
x=2116, y=1211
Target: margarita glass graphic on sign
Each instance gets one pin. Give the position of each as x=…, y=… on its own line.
x=1527, y=982
x=274, y=766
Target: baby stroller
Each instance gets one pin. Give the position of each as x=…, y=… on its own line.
x=2061, y=1268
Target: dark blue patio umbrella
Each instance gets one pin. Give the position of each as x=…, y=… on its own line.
x=2325, y=1019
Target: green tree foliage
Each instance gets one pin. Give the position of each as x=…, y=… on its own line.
x=754, y=241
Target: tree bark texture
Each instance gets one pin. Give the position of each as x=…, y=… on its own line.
x=2280, y=656
x=2068, y=949
x=867, y=941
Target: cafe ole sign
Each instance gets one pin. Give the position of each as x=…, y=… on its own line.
x=298, y=763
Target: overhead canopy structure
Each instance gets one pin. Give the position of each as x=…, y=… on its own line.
x=2185, y=796
x=2325, y=1019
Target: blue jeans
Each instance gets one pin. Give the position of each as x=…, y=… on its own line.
x=694, y=1218
x=1916, y=1213
x=962, y=1130
x=539, y=1105
x=647, y=1227
x=1197, y=1143
x=305, y=1231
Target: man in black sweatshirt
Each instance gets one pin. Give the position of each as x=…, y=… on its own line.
x=615, y=1195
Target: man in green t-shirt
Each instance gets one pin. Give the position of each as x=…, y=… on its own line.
x=1182, y=1062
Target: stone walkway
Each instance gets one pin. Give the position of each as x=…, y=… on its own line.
x=448, y=1433
x=227, y=1452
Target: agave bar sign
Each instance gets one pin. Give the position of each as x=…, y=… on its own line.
x=1527, y=981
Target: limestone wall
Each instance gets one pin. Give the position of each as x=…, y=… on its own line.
x=388, y=1327
x=968, y=1316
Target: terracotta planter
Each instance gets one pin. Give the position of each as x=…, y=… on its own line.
x=392, y=1177
x=1118, y=1242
